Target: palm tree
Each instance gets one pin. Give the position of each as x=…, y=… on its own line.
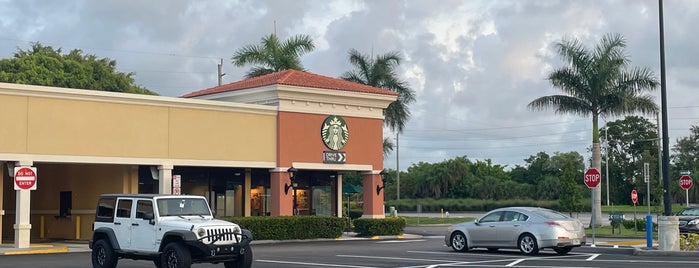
x=380, y=72
x=598, y=83
x=271, y=55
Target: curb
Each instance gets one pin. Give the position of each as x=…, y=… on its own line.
x=37, y=251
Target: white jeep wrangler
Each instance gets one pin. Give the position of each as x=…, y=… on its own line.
x=173, y=231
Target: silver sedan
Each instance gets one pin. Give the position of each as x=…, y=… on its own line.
x=528, y=229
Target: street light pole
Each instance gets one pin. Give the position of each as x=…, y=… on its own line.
x=606, y=156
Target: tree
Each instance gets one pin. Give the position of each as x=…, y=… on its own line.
x=45, y=66
x=380, y=72
x=627, y=141
x=686, y=157
x=272, y=55
x=597, y=83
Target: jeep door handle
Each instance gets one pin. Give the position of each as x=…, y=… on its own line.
x=117, y=223
x=134, y=224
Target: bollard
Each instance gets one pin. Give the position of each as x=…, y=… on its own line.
x=649, y=231
x=447, y=214
x=77, y=228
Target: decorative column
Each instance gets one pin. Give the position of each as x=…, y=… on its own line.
x=2, y=190
x=373, y=195
x=282, y=193
x=23, y=213
x=340, y=196
x=247, y=189
x=165, y=179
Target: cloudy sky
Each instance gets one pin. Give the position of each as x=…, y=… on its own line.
x=475, y=65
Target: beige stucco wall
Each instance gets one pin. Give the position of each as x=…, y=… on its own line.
x=135, y=127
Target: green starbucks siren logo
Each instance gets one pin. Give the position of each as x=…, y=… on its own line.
x=334, y=132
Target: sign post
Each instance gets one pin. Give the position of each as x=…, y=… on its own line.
x=634, y=200
x=649, y=218
x=592, y=179
x=686, y=184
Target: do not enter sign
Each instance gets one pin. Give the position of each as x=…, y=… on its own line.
x=25, y=178
x=634, y=196
x=592, y=178
x=686, y=182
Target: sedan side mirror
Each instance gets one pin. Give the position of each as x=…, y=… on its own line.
x=477, y=222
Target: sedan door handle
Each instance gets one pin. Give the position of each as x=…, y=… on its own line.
x=516, y=225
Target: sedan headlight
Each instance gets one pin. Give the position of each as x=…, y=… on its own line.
x=693, y=222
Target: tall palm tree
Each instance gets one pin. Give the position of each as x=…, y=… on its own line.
x=598, y=83
x=380, y=72
x=272, y=55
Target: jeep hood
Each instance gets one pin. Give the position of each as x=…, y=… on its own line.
x=196, y=221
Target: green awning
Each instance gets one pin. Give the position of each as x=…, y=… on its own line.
x=351, y=189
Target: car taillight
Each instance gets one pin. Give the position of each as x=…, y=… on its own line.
x=552, y=223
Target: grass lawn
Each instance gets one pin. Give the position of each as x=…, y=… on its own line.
x=412, y=221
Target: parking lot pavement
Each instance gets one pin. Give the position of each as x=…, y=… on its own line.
x=82, y=246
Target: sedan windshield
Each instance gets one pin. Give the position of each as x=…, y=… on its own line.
x=689, y=212
x=183, y=207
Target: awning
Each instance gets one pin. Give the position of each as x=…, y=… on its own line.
x=351, y=189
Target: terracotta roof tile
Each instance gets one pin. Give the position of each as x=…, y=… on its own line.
x=293, y=78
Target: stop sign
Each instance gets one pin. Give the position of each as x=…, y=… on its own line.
x=634, y=196
x=686, y=182
x=25, y=178
x=592, y=178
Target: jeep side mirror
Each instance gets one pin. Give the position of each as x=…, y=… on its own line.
x=149, y=217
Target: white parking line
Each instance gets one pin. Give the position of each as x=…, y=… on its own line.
x=314, y=264
x=594, y=256
x=514, y=263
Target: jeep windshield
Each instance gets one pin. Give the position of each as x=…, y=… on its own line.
x=183, y=207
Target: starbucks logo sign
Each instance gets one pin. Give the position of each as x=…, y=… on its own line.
x=334, y=132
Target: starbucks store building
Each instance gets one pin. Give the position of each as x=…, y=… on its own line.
x=274, y=145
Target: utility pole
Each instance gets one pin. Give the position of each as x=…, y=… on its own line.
x=220, y=73
x=397, y=169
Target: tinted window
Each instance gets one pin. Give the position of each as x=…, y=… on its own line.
x=124, y=208
x=495, y=216
x=105, y=209
x=143, y=207
x=551, y=215
x=514, y=216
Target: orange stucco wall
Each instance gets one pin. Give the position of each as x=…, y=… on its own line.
x=300, y=140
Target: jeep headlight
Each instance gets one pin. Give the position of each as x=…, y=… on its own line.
x=201, y=232
x=236, y=230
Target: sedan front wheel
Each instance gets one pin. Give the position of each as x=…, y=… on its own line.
x=458, y=242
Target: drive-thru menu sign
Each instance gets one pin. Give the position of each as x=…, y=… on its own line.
x=25, y=178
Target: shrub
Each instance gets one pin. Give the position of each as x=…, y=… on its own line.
x=387, y=226
x=640, y=224
x=291, y=227
x=689, y=242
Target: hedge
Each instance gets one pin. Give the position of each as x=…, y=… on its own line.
x=469, y=204
x=291, y=227
x=386, y=226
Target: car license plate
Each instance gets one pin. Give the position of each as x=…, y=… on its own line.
x=576, y=241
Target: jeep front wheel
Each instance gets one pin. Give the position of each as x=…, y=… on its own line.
x=176, y=255
x=244, y=261
x=103, y=255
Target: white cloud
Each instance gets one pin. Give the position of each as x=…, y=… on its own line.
x=474, y=65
